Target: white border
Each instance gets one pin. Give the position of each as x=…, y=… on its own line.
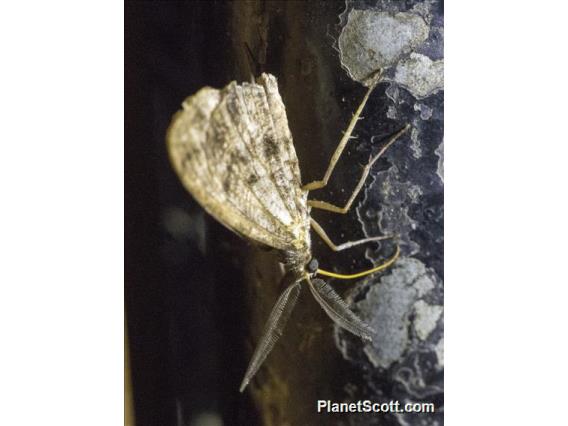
x=61, y=180
x=61, y=177
x=506, y=161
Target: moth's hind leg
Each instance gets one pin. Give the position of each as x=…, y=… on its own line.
x=335, y=247
x=318, y=184
x=323, y=205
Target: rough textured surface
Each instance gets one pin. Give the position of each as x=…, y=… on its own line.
x=407, y=43
x=404, y=307
x=392, y=302
x=374, y=39
x=403, y=197
x=420, y=74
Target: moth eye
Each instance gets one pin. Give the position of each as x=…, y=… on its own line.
x=312, y=266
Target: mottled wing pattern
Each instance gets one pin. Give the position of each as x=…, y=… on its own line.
x=233, y=151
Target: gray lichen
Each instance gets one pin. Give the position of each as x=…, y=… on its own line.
x=395, y=195
x=420, y=74
x=372, y=40
x=391, y=112
x=415, y=143
x=425, y=110
x=405, y=198
x=439, y=348
x=388, y=307
x=426, y=317
x=424, y=9
x=405, y=309
x=440, y=153
x=410, y=377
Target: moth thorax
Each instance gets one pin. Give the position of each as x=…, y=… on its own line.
x=302, y=251
x=297, y=259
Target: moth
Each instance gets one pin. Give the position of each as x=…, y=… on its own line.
x=233, y=151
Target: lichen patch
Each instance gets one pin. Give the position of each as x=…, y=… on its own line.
x=372, y=40
x=420, y=75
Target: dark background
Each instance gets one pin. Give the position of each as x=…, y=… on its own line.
x=181, y=297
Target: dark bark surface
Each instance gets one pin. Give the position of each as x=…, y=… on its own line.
x=197, y=295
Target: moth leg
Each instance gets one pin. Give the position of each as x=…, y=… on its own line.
x=323, y=205
x=318, y=184
x=319, y=230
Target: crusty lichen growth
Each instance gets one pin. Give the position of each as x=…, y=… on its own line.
x=372, y=40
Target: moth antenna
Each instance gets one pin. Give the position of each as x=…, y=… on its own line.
x=336, y=308
x=272, y=330
x=381, y=267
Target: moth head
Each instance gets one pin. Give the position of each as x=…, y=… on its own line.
x=312, y=266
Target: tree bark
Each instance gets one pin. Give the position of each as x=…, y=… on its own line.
x=312, y=48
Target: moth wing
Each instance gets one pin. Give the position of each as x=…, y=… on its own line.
x=338, y=310
x=233, y=151
x=273, y=330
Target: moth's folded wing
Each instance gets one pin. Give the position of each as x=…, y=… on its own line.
x=338, y=310
x=273, y=330
x=226, y=151
x=204, y=150
x=278, y=146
